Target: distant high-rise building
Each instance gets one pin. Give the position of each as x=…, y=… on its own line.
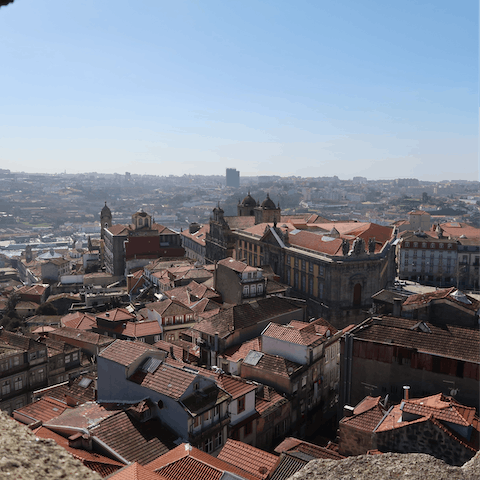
x=233, y=178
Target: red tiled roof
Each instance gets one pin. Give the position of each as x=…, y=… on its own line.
x=32, y=290
x=268, y=400
x=83, y=336
x=125, y=353
x=366, y=404
x=456, y=229
x=443, y=294
x=80, y=390
x=117, y=315
x=169, y=308
x=83, y=416
x=119, y=229
x=135, y=471
x=366, y=420
x=276, y=365
x=235, y=265
x=292, y=445
x=244, y=316
x=250, y=459
x=137, y=329
x=300, y=333
x=449, y=341
x=42, y=410
x=199, y=236
x=78, y=320
x=132, y=440
x=189, y=463
x=168, y=380
x=239, y=352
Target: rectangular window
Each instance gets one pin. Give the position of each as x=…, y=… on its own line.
x=74, y=356
x=16, y=361
x=321, y=270
x=310, y=267
x=207, y=415
x=216, y=411
x=241, y=404
x=320, y=290
x=296, y=262
x=208, y=445
x=156, y=338
x=68, y=358
x=197, y=421
x=218, y=440
x=310, y=286
x=18, y=383
x=6, y=387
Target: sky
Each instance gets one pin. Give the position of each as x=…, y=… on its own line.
x=380, y=89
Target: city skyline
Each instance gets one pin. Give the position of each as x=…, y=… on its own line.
x=373, y=90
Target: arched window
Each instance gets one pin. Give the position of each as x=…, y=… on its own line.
x=357, y=294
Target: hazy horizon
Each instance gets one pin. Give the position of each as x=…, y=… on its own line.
x=308, y=89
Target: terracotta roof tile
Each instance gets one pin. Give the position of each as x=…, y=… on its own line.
x=125, y=353
x=420, y=299
x=78, y=320
x=189, y=463
x=42, y=410
x=83, y=416
x=245, y=315
x=268, y=400
x=132, y=440
x=276, y=365
x=167, y=379
x=366, y=421
x=250, y=459
x=300, y=333
x=306, y=449
x=239, y=352
x=79, y=390
x=449, y=341
x=116, y=315
x=135, y=471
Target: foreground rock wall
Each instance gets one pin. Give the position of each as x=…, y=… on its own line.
x=412, y=466
x=24, y=456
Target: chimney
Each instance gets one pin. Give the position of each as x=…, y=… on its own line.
x=397, y=307
x=171, y=352
x=406, y=392
x=348, y=411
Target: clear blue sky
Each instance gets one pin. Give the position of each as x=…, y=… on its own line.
x=382, y=89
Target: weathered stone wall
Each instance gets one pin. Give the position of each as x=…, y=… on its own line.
x=354, y=441
x=413, y=466
x=424, y=437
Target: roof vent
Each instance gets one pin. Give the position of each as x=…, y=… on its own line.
x=461, y=297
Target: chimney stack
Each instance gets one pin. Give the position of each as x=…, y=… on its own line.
x=397, y=307
x=406, y=392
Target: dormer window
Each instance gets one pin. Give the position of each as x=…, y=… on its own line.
x=441, y=245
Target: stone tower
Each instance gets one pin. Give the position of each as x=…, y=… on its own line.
x=105, y=219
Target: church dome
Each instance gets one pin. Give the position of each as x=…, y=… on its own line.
x=268, y=203
x=248, y=201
